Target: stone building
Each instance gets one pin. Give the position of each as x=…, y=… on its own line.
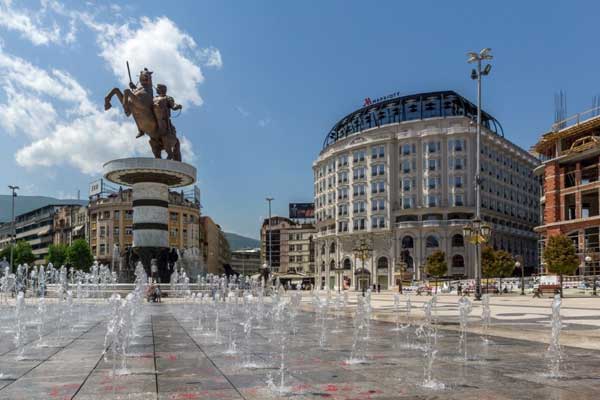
x=246, y=261
x=70, y=224
x=569, y=176
x=215, y=247
x=290, y=246
x=399, y=174
x=111, y=224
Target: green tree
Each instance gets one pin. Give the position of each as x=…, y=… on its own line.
x=504, y=265
x=561, y=258
x=436, y=266
x=57, y=254
x=80, y=255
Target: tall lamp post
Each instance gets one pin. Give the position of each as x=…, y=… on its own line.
x=269, y=200
x=13, y=228
x=518, y=265
x=588, y=259
x=477, y=233
x=363, y=251
x=476, y=74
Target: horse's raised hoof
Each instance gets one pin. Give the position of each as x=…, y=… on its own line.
x=107, y=105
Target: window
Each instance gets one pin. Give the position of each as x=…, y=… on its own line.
x=458, y=241
x=431, y=164
x=106, y=215
x=359, y=224
x=359, y=190
x=102, y=248
x=456, y=181
x=457, y=163
x=359, y=207
x=432, y=242
x=378, y=187
x=343, y=160
x=343, y=177
x=116, y=214
x=116, y=232
x=343, y=226
x=407, y=242
x=432, y=147
x=343, y=210
x=343, y=194
x=456, y=145
x=458, y=200
x=377, y=222
x=128, y=230
x=128, y=214
x=408, y=184
x=458, y=262
x=292, y=247
x=378, y=169
x=358, y=156
x=408, y=202
x=432, y=182
x=432, y=200
x=378, y=205
x=408, y=166
x=102, y=231
x=408, y=149
x=378, y=152
x=358, y=173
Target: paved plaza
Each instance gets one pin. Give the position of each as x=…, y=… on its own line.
x=170, y=358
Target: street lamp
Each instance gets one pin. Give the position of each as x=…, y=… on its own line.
x=477, y=233
x=588, y=259
x=363, y=251
x=476, y=74
x=13, y=232
x=518, y=265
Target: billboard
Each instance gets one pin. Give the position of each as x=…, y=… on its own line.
x=302, y=210
x=96, y=187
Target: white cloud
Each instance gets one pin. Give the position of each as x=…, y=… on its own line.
x=211, y=57
x=243, y=111
x=264, y=122
x=34, y=25
x=158, y=45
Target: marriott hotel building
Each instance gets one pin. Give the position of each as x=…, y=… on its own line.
x=399, y=175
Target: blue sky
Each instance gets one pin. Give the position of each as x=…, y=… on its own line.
x=263, y=81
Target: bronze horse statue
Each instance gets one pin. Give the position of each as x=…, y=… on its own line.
x=139, y=102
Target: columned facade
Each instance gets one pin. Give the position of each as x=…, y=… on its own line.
x=404, y=183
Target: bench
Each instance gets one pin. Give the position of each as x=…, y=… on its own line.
x=551, y=289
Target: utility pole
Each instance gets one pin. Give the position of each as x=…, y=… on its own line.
x=270, y=199
x=13, y=228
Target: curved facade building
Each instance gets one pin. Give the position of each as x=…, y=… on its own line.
x=399, y=176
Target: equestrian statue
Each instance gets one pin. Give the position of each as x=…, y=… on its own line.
x=152, y=114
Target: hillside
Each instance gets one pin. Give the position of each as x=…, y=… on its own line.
x=237, y=242
x=24, y=204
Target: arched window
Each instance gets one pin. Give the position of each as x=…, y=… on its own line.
x=347, y=264
x=458, y=261
x=332, y=265
x=382, y=262
x=407, y=242
x=323, y=249
x=458, y=241
x=332, y=248
x=432, y=241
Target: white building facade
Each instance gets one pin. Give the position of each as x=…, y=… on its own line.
x=399, y=175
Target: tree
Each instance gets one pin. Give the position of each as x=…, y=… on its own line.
x=436, y=266
x=504, y=265
x=57, y=254
x=488, y=264
x=80, y=255
x=560, y=257
x=22, y=253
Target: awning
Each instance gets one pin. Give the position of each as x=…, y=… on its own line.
x=44, y=231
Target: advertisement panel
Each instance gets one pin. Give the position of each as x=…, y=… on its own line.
x=302, y=210
x=96, y=187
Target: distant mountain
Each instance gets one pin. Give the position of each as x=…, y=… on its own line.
x=25, y=204
x=237, y=242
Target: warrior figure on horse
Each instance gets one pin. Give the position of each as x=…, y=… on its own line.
x=152, y=114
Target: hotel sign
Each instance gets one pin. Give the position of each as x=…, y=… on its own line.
x=369, y=102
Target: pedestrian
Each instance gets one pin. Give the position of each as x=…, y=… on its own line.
x=459, y=289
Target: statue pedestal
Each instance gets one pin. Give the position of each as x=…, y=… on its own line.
x=150, y=180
